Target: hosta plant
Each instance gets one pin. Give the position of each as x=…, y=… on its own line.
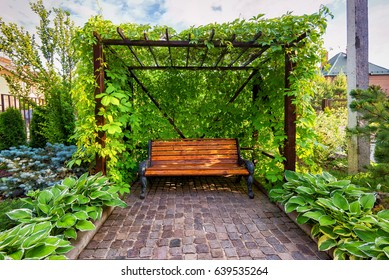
x=341, y=214
x=63, y=209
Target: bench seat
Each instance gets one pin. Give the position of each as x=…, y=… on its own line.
x=195, y=157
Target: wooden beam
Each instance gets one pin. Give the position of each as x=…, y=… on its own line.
x=248, y=45
x=289, y=119
x=98, y=67
x=243, y=86
x=219, y=68
x=255, y=56
x=129, y=47
x=156, y=103
x=170, y=51
x=187, y=52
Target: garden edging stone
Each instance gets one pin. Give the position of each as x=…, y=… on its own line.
x=83, y=238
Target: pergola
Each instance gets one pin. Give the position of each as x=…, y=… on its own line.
x=241, y=54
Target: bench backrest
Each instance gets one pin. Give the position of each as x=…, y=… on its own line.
x=194, y=151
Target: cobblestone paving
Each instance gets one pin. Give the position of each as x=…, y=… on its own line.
x=200, y=218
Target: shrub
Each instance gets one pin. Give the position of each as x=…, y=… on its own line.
x=330, y=128
x=12, y=129
x=38, y=138
x=35, y=168
x=6, y=206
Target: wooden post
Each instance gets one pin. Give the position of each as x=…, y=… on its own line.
x=98, y=66
x=357, y=78
x=289, y=120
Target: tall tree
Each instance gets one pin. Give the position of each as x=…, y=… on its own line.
x=43, y=61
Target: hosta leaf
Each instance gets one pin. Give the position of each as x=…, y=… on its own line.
x=116, y=203
x=386, y=251
x=382, y=241
x=81, y=215
x=370, y=250
x=366, y=235
x=342, y=230
x=70, y=233
x=85, y=225
x=19, y=214
x=302, y=219
x=18, y=255
x=355, y=208
x=82, y=199
x=301, y=209
x=328, y=231
x=315, y=215
x=66, y=221
x=291, y=175
x=69, y=182
x=328, y=177
x=56, y=257
x=45, y=196
x=339, y=201
x=44, y=208
x=40, y=252
x=384, y=214
x=368, y=220
x=305, y=190
x=326, y=220
x=64, y=249
x=339, y=184
x=325, y=243
x=367, y=201
x=339, y=254
x=382, y=256
x=297, y=200
x=352, y=248
x=326, y=203
x=32, y=240
x=290, y=207
x=384, y=226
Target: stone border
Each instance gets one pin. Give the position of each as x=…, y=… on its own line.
x=84, y=237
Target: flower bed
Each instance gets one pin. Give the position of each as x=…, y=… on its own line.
x=343, y=216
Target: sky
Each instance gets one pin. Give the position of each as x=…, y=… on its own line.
x=182, y=14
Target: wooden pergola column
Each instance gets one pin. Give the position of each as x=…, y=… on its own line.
x=290, y=119
x=98, y=66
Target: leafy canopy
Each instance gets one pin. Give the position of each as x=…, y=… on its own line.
x=197, y=102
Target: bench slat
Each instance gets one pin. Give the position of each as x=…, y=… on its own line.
x=192, y=157
x=193, y=147
x=198, y=172
x=194, y=161
x=193, y=152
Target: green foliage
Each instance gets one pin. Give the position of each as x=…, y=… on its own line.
x=341, y=213
x=44, y=62
x=326, y=88
x=197, y=102
x=373, y=105
x=54, y=216
x=330, y=128
x=38, y=139
x=6, y=206
x=12, y=129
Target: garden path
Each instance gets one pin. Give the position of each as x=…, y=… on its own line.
x=200, y=218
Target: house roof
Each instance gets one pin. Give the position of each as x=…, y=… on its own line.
x=338, y=64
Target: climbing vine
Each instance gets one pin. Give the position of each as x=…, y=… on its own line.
x=170, y=103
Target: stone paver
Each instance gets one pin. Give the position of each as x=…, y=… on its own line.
x=200, y=218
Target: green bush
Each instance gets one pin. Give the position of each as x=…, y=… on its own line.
x=342, y=214
x=6, y=206
x=38, y=138
x=330, y=128
x=12, y=129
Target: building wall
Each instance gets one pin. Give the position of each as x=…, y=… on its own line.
x=380, y=80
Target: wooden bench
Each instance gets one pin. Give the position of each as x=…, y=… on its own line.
x=195, y=157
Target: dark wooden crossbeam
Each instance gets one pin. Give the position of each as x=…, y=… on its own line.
x=170, y=50
x=156, y=103
x=121, y=34
x=255, y=56
x=189, y=67
x=249, y=44
x=240, y=89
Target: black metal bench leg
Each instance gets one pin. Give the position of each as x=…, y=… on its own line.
x=250, y=178
x=143, y=180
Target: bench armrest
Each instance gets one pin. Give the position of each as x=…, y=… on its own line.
x=248, y=164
